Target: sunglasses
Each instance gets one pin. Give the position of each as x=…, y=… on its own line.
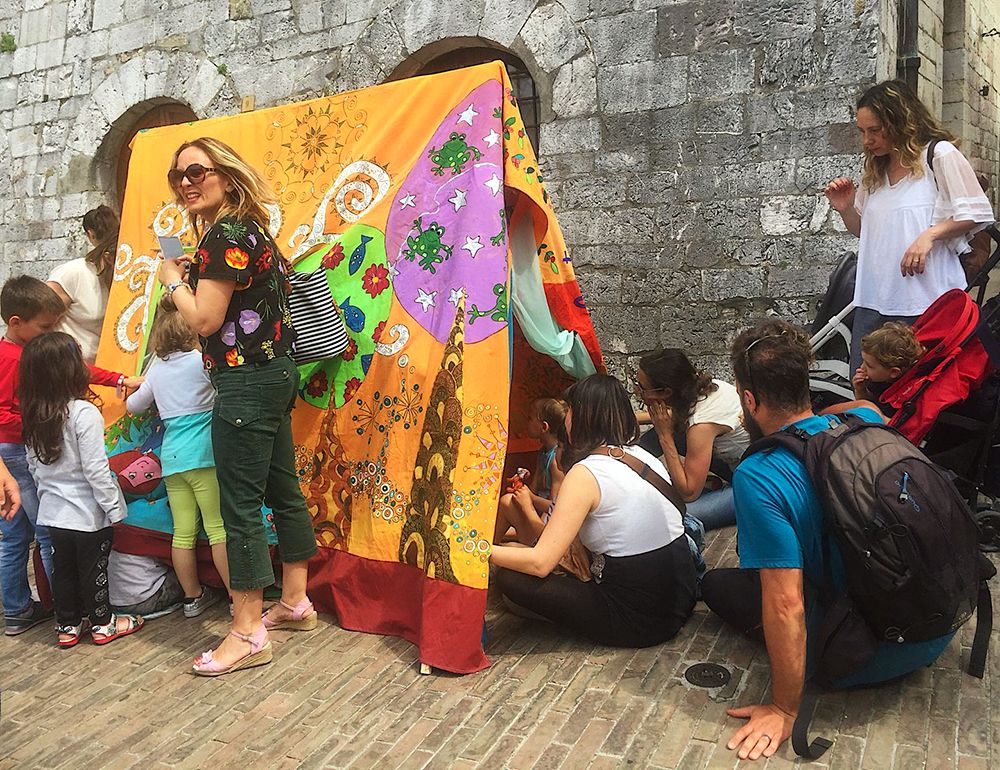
x=641, y=391
x=195, y=173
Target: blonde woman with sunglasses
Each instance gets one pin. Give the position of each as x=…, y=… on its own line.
x=234, y=296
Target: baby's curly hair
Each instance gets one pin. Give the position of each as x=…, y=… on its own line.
x=893, y=345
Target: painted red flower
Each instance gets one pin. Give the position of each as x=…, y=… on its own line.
x=317, y=384
x=333, y=257
x=377, y=334
x=375, y=280
x=237, y=258
x=233, y=357
x=350, y=352
x=350, y=386
x=265, y=260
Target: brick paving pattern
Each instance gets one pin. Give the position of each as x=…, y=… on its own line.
x=333, y=698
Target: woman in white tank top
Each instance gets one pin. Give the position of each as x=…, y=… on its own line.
x=644, y=578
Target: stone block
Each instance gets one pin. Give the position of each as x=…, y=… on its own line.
x=23, y=59
x=759, y=20
x=689, y=326
x=34, y=27
x=23, y=141
x=717, y=149
x=623, y=329
x=563, y=165
x=59, y=82
x=600, y=288
x=108, y=98
x=574, y=90
x=726, y=285
x=797, y=281
x=735, y=218
x=770, y=112
x=643, y=86
x=551, y=36
x=278, y=26
x=8, y=93
x=725, y=116
x=502, y=19
x=823, y=106
x=383, y=41
x=624, y=38
x=851, y=58
x=132, y=81
x=814, y=173
x=713, y=75
x=308, y=15
x=203, y=86
x=219, y=38
x=698, y=25
x=264, y=7
x=632, y=226
x=790, y=62
x=361, y=10
x=591, y=192
x=421, y=21
x=651, y=189
x=130, y=37
x=571, y=135
x=788, y=214
x=636, y=159
x=107, y=13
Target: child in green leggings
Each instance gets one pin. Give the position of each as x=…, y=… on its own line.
x=179, y=385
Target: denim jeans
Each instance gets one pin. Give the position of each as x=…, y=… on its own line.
x=255, y=463
x=714, y=509
x=18, y=532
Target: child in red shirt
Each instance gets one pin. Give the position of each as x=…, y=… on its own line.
x=29, y=308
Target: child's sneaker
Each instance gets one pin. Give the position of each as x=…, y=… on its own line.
x=194, y=607
x=18, y=624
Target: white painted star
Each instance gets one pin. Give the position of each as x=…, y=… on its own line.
x=458, y=200
x=456, y=296
x=494, y=184
x=425, y=299
x=491, y=138
x=467, y=115
x=393, y=271
x=407, y=200
x=472, y=245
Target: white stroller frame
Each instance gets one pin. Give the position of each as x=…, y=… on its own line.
x=832, y=375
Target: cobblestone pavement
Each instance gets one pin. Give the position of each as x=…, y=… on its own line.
x=340, y=699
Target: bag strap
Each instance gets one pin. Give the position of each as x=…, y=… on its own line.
x=984, y=627
x=662, y=486
x=930, y=157
x=800, y=728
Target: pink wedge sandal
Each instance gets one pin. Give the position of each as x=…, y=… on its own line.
x=304, y=617
x=259, y=655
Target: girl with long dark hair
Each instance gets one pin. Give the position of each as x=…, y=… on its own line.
x=83, y=284
x=912, y=221
x=615, y=497
x=78, y=499
x=698, y=423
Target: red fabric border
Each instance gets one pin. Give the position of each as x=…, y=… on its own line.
x=149, y=542
x=444, y=620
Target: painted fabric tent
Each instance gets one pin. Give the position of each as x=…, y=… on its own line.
x=423, y=202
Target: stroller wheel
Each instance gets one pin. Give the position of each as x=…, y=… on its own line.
x=988, y=521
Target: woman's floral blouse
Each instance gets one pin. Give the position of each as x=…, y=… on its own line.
x=258, y=325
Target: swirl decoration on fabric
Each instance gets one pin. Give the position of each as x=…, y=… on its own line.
x=400, y=336
x=171, y=220
x=357, y=188
x=140, y=273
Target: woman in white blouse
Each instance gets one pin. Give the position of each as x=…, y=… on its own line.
x=643, y=589
x=912, y=222
x=84, y=283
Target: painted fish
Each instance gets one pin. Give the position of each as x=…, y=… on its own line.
x=366, y=362
x=358, y=255
x=354, y=316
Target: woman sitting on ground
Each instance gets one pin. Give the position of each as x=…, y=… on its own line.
x=644, y=586
x=706, y=413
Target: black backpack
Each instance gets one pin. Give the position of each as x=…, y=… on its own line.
x=909, y=545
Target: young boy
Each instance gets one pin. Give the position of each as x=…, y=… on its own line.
x=886, y=354
x=29, y=308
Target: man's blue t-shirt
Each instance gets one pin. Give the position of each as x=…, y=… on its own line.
x=780, y=525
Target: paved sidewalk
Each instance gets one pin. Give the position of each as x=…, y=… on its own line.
x=332, y=698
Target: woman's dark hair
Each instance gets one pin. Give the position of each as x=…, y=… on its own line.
x=906, y=123
x=52, y=375
x=104, y=224
x=602, y=414
x=671, y=369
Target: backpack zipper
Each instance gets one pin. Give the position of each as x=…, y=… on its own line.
x=904, y=495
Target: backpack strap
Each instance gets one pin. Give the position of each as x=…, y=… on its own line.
x=984, y=627
x=800, y=728
x=661, y=485
x=930, y=156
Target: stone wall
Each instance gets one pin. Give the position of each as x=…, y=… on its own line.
x=685, y=143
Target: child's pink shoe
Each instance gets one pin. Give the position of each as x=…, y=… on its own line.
x=303, y=618
x=260, y=654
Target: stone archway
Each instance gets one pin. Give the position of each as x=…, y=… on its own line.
x=149, y=79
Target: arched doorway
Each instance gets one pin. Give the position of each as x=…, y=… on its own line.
x=522, y=84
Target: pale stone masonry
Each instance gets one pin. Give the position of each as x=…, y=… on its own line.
x=685, y=143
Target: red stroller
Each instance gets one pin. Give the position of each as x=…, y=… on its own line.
x=955, y=363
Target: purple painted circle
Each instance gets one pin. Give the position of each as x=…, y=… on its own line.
x=453, y=197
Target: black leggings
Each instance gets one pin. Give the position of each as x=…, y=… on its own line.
x=642, y=600
x=80, y=575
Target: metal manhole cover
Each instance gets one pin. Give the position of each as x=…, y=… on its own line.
x=707, y=675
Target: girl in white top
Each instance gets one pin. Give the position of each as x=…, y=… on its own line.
x=912, y=222
x=78, y=499
x=699, y=425
x=644, y=579
x=83, y=284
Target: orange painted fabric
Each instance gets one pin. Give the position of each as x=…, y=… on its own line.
x=403, y=193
